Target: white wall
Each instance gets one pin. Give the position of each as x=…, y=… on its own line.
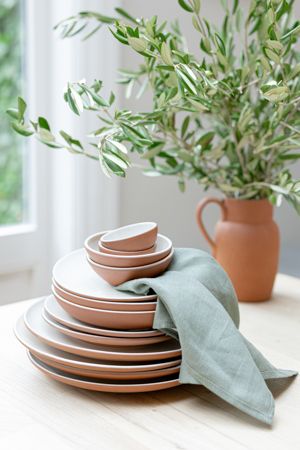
x=159, y=199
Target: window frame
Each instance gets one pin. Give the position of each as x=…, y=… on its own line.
x=59, y=222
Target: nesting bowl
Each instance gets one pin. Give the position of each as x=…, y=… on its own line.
x=131, y=238
x=120, y=253
x=118, y=275
x=163, y=248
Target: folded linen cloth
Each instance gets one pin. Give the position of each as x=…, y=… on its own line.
x=197, y=304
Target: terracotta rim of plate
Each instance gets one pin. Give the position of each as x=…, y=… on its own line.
x=80, y=253
x=102, y=340
x=118, y=320
x=109, y=375
x=76, y=324
x=91, y=350
x=100, y=304
x=102, y=387
x=32, y=343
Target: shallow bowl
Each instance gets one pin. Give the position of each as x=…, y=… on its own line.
x=131, y=238
x=118, y=275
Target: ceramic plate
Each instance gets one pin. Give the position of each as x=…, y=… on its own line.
x=61, y=316
x=73, y=274
x=51, y=354
x=39, y=327
x=118, y=320
x=162, y=249
x=95, y=385
x=100, y=304
x=110, y=375
x=102, y=340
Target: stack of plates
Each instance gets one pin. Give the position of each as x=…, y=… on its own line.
x=88, y=334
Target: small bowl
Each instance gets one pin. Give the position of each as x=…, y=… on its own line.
x=131, y=238
x=163, y=247
x=118, y=275
x=119, y=253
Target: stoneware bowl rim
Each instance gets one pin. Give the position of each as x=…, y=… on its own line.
x=135, y=268
x=99, y=234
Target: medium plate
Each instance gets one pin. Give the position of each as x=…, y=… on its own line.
x=102, y=340
x=110, y=375
x=100, y=304
x=61, y=316
x=38, y=326
x=73, y=274
x=43, y=350
x=117, y=320
x=95, y=385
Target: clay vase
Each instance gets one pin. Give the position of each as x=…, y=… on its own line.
x=246, y=244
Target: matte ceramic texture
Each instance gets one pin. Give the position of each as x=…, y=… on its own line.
x=36, y=325
x=54, y=355
x=110, y=375
x=131, y=238
x=73, y=274
x=95, y=385
x=246, y=244
x=100, y=304
x=102, y=340
x=162, y=249
x=118, y=275
x=119, y=253
x=117, y=320
x=60, y=315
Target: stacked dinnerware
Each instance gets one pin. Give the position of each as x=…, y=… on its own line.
x=90, y=335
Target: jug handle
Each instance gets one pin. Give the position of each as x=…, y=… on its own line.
x=199, y=212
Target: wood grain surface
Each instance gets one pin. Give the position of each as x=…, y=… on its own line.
x=38, y=413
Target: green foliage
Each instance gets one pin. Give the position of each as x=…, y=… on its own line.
x=10, y=145
x=229, y=119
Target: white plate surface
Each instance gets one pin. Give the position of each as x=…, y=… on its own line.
x=73, y=274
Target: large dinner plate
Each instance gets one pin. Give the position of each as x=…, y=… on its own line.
x=105, y=375
x=54, y=355
x=61, y=316
x=73, y=274
x=101, y=385
x=38, y=326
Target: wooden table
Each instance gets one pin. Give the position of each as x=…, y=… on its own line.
x=38, y=413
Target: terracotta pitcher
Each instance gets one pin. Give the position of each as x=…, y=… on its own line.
x=246, y=244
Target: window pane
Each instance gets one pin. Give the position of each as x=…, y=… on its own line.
x=11, y=145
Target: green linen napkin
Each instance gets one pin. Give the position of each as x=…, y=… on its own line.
x=197, y=304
